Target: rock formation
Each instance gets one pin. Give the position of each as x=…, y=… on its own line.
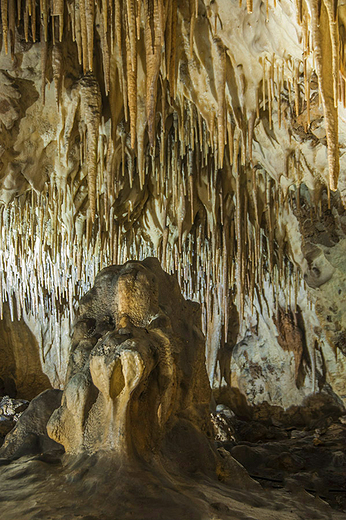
x=29, y=436
x=137, y=366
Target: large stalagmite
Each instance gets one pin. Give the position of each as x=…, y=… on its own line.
x=137, y=367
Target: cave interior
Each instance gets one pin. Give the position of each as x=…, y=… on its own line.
x=173, y=259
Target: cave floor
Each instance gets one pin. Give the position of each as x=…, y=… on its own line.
x=297, y=473
x=291, y=458
x=51, y=487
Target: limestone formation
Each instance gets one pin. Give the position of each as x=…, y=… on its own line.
x=206, y=137
x=21, y=372
x=137, y=366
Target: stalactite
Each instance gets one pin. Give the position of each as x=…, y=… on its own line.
x=296, y=88
x=44, y=51
x=240, y=294
x=105, y=55
x=4, y=14
x=270, y=94
x=118, y=14
x=33, y=23
x=324, y=43
x=131, y=65
x=19, y=10
x=307, y=92
x=131, y=32
x=220, y=82
x=153, y=42
x=12, y=26
x=172, y=56
x=192, y=23
x=89, y=20
x=251, y=125
x=331, y=6
x=91, y=106
x=84, y=34
x=78, y=31
x=58, y=10
x=183, y=159
x=57, y=66
x=26, y=22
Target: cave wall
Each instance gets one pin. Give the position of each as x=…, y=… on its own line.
x=21, y=372
x=208, y=140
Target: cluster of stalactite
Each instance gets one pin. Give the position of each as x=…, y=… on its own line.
x=218, y=209
x=120, y=28
x=219, y=231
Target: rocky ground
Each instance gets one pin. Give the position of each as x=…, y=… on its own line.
x=10, y=411
x=300, y=469
x=310, y=457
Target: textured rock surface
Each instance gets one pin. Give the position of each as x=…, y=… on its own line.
x=29, y=435
x=137, y=366
x=287, y=456
x=21, y=372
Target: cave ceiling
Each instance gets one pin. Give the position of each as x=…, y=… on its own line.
x=209, y=134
